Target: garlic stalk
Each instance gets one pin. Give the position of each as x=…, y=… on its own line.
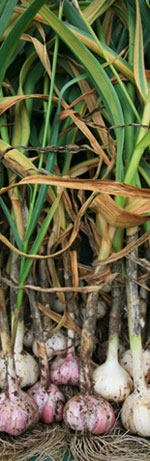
x=66, y=370
x=110, y=380
x=144, y=299
x=27, y=368
x=135, y=413
x=55, y=343
x=49, y=399
x=18, y=411
x=86, y=412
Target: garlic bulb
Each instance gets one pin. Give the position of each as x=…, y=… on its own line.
x=18, y=412
x=89, y=414
x=54, y=345
x=50, y=402
x=28, y=337
x=127, y=362
x=65, y=370
x=27, y=369
x=135, y=413
x=110, y=380
x=101, y=310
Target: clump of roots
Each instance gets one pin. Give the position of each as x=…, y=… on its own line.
x=43, y=441
x=117, y=445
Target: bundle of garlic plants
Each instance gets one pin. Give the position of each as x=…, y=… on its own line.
x=95, y=102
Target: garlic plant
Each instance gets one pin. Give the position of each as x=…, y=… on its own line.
x=135, y=413
x=18, y=411
x=66, y=370
x=55, y=343
x=86, y=412
x=49, y=399
x=27, y=369
x=110, y=380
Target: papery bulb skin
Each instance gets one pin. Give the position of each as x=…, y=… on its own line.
x=89, y=414
x=39, y=395
x=18, y=412
x=54, y=345
x=65, y=370
x=112, y=382
x=28, y=337
x=135, y=413
x=50, y=402
x=53, y=409
x=27, y=369
x=127, y=363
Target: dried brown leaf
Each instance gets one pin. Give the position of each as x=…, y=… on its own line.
x=126, y=250
x=108, y=187
x=117, y=216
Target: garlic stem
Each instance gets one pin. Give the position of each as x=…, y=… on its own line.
x=45, y=297
x=113, y=348
x=110, y=380
x=18, y=412
x=38, y=330
x=144, y=299
x=87, y=337
x=114, y=319
x=12, y=382
x=26, y=367
x=18, y=347
x=5, y=339
x=134, y=316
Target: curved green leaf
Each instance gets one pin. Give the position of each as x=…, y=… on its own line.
x=96, y=9
x=139, y=67
x=10, y=43
x=96, y=73
x=6, y=10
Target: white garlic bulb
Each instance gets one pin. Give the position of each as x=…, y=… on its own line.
x=54, y=345
x=111, y=381
x=28, y=337
x=127, y=362
x=27, y=369
x=135, y=413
